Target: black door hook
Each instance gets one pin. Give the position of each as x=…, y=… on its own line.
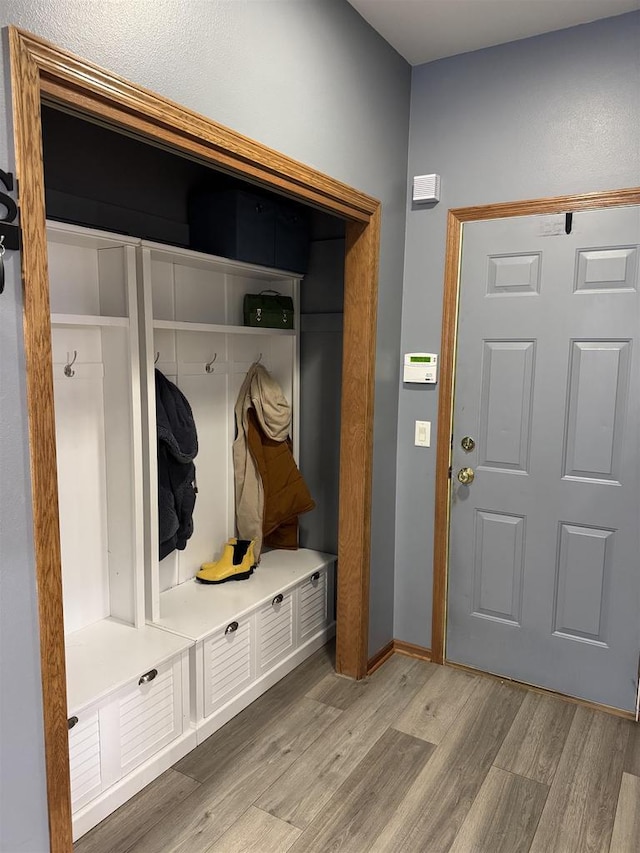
x=2, y=251
x=568, y=223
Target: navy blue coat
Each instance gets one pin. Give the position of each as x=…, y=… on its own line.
x=177, y=448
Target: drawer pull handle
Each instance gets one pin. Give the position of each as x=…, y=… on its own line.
x=71, y=722
x=231, y=627
x=278, y=599
x=315, y=576
x=148, y=676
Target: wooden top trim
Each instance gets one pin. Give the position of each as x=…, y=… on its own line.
x=68, y=78
x=556, y=204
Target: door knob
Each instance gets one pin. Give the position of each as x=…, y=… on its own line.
x=466, y=476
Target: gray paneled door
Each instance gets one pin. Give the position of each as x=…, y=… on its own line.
x=544, y=563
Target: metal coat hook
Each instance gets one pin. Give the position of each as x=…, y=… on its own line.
x=68, y=368
x=259, y=359
x=209, y=365
x=157, y=358
x=3, y=249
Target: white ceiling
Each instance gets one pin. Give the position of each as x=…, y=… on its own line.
x=424, y=30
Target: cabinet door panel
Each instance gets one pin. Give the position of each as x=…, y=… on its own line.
x=150, y=715
x=275, y=633
x=228, y=665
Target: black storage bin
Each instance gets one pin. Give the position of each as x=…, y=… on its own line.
x=292, y=238
x=249, y=227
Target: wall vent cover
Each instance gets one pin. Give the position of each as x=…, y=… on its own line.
x=426, y=188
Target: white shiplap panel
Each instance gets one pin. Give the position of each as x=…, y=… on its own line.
x=82, y=494
x=275, y=636
x=313, y=605
x=207, y=395
x=84, y=760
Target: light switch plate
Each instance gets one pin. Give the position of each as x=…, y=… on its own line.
x=423, y=434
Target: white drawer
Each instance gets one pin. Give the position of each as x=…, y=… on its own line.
x=84, y=758
x=275, y=631
x=149, y=714
x=312, y=604
x=227, y=663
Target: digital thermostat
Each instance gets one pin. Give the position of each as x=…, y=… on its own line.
x=420, y=367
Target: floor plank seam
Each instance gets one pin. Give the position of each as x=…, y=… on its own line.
x=533, y=837
x=188, y=775
x=275, y=817
x=285, y=770
x=520, y=775
x=535, y=832
x=609, y=850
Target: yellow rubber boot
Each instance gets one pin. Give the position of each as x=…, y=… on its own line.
x=236, y=563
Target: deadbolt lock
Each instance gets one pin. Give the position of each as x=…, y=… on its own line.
x=468, y=443
x=466, y=476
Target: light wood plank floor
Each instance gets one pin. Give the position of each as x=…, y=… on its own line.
x=417, y=758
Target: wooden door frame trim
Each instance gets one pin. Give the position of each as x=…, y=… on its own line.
x=456, y=218
x=41, y=71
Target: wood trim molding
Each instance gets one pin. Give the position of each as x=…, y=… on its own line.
x=555, y=204
x=456, y=218
x=380, y=657
x=44, y=484
x=41, y=71
x=411, y=650
x=397, y=647
x=443, y=450
x=356, y=444
x=75, y=82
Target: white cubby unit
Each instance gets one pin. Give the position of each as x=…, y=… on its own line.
x=244, y=639
x=193, y=333
x=155, y=660
x=109, y=646
x=96, y=380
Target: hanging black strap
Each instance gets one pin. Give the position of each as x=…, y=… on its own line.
x=568, y=223
x=2, y=251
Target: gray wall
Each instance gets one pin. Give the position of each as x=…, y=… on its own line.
x=307, y=77
x=546, y=116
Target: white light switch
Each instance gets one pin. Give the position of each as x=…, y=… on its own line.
x=423, y=434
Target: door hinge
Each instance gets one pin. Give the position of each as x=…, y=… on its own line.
x=638, y=693
x=450, y=469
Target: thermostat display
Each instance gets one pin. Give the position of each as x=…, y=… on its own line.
x=420, y=367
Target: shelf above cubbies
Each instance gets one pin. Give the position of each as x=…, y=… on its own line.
x=109, y=654
x=214, y=263
x=88, y=320
x=193, y=609
x=182, y=326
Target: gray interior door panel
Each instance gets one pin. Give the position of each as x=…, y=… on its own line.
x=544, y=564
